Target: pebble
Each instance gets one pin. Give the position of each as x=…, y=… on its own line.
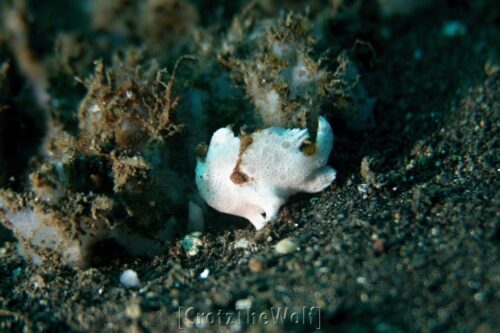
x=242, y=244
x=480, y=297
x=38, y=281
x=192, y=243
x=205, y=273
x=133, y=311
x=129, y=279
x=378, y=246
x=255, y=265
x=243, y=304
x=287, y=245
x=362, y=280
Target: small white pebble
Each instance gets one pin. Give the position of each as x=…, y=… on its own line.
x=479, y=297
x=243, y=304
x=201, y=322
x=129, y=279
x=204, y=274
x=133, y=311
x=362, y=280
x=241, y=244
x=287, y=245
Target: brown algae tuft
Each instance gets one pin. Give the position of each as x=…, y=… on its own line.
x=107, y=181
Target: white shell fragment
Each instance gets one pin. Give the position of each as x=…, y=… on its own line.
x=129, y=279
x=254, y=179
x=285, y=246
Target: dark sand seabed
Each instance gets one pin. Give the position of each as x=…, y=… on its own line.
x=417, y=250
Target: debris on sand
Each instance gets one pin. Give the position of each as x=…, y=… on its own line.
x=130, y=279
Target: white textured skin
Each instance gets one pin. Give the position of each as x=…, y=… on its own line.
x=275, y=166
